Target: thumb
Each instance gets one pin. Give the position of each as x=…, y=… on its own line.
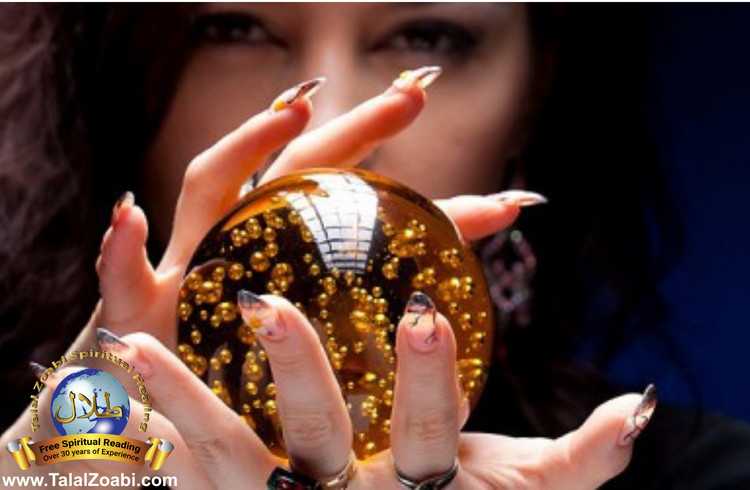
x=127, y=281
x=602, y=447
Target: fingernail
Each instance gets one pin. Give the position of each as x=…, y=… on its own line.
x=635, y=424
x=126, y=200
x=518, y=197
x=419, y=316
x=108, y=340
x=259, y=315
x=289, y=96
x=37, y=369
x=422, y=77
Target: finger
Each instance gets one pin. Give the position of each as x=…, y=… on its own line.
x=188, y=403
x=480, y=216
x=127, y=281
x=213, y=179
x=602, y=447
x=181, y=461
x=317, y=428
x=425, y=417
x=347, y=139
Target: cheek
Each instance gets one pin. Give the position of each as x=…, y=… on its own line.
x=462, y=140
x=468, y=129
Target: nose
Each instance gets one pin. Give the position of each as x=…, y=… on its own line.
x=333, y=56
x=345, y=88
x=335, y=97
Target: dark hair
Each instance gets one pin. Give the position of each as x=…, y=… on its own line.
x=84, y=88
x=607, y=236
x=80, y=103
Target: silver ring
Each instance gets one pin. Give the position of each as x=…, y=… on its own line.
x=340, y=480
x=433, y=483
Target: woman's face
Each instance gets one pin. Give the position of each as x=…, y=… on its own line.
x=251, y=53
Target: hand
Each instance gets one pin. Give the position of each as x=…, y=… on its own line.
x=428, y=413
x=136, y=296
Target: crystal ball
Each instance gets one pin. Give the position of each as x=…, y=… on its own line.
x=347, y=248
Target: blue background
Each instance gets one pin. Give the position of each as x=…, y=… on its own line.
x=700, y=101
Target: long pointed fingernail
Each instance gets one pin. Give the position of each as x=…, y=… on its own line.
x=518, y=197
x=289, y=96
x=422, y=77
x=642, y=414
x=109, y=340
x=260, y=315
x=419, y=317
x=37, y=368
x=126, y=200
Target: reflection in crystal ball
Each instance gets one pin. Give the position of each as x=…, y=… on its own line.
x=346, y=247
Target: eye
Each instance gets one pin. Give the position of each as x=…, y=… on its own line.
x=430, y=36
x=230, y=27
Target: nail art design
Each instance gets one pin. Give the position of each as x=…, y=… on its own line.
x=289, y=96
x=642, y=414
x=37, y=368
x=108, y=340
x=125, y=200
x=423, y=77
x=259, y=315
x=421, y=306
x=519, y=197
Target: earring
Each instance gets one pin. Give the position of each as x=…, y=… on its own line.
x=509, y=264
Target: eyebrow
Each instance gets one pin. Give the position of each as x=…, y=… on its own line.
x=421, y=5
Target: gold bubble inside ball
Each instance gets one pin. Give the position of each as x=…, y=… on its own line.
x=347, y=248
